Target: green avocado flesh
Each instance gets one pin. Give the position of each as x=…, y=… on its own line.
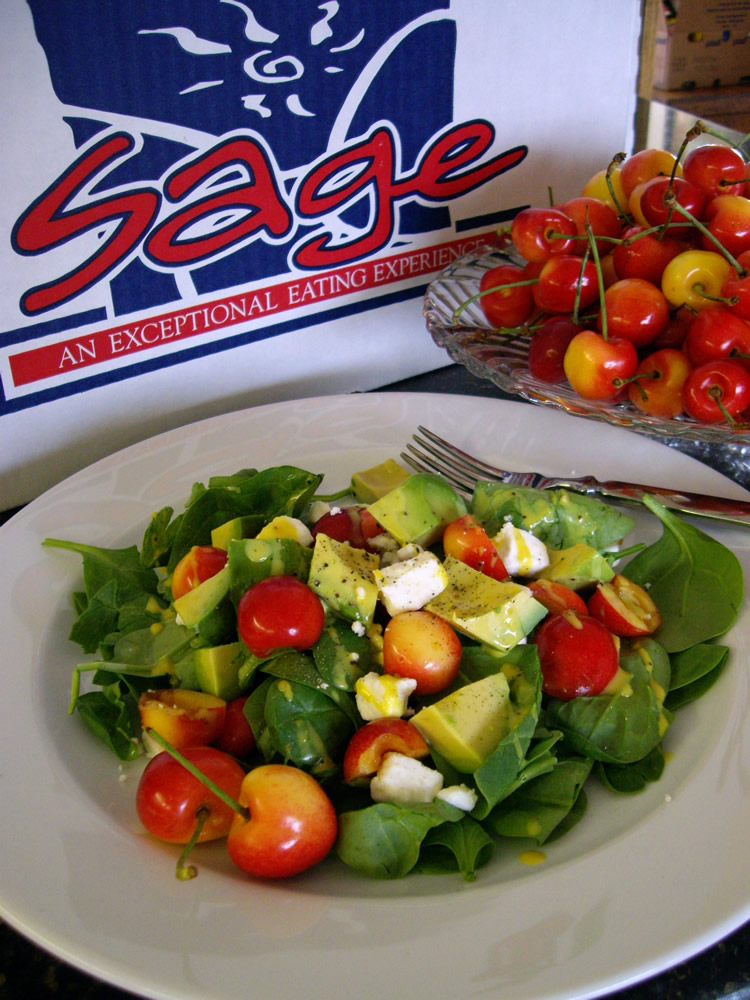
x=467, y=725
x=496, y=613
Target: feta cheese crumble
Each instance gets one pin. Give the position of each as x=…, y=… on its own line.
x=318, y=509
x=460, y=796
x=522, y=553
x=383, y=696
x=410, y=584
x=405, y=780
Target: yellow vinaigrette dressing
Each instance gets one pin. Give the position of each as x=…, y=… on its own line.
x=532, y=857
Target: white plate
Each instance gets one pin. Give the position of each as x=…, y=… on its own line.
x=642, y=883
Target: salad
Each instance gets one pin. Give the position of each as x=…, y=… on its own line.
x=394, y=674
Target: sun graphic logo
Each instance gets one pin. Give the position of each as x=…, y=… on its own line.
x=307, y=76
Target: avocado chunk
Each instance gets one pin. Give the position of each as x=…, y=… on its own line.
x=209, y=610
x=344, y=577
x=372, y=484
x=199, y=602
x=419, y=509
x=576, y=567
x=466, y=725
x=217, y=669
x=496, y=613
x=237, y=527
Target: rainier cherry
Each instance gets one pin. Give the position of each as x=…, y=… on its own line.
x=715, y=168
x=636, y=311
x=717, y=333
x=598, y=186
x=563, y=281
x=506, y=306
x=548, y=346
x=602, y=219
x=597, y=368
x=645, y=256
x=645, y=164
x=658, y=391
x=539, y=233
x=737, y=289
x=728, y=220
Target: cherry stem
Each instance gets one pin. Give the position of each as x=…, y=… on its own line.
x=658, y=231
x=197, y=773
x=327, y=497
x=487, y=291
x=641, y=376
x=599, y=276
x=700, y=289
x=700, y=127
x=614, y=163
x=184, y=870
x=691, y=134
x=577, y=299
x=672, y=203
x=505, y=332
x=715, y=394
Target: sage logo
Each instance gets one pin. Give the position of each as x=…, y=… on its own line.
x=200, y=123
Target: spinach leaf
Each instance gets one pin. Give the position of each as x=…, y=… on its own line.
x=298, y=667
x=648, y=659
x=154, y=649
x=558, y=517
x=254, y=711
x=305, y=727
x=383, y=840
x=633, y=777
x=253, y=559
x=98, y=619
x=496, y=784
x=536, y=809
x=695, y=689
x=103, y=566
x=157, y=539
x=278, y=490
x=110, y=717
x=575, y=814
x=464, y=846
x=617, y=728
x=238, y=480
x=695, y=581
x=342, y=656
x=691, y=664
x=498, y=771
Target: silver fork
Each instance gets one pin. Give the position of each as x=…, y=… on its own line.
x=431, y=453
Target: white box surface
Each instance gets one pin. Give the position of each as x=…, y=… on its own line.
x=212, y=204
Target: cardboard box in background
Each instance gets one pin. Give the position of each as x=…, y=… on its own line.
x=701, y=43
x=213, y=204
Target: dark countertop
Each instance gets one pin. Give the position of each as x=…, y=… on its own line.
x=720, y=973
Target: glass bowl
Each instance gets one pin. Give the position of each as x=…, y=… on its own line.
x=502, y=358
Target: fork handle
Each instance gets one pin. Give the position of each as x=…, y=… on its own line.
x=693, y=504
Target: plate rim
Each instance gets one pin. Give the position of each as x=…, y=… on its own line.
x=412, y=400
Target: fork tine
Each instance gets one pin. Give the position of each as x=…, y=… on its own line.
x=423, y=462
x=459, y=459
x=450, y=461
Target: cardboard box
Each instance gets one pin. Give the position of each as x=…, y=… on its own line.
x=702, y=43
x=214, y=204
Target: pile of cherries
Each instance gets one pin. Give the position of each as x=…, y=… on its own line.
x=639, y=289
